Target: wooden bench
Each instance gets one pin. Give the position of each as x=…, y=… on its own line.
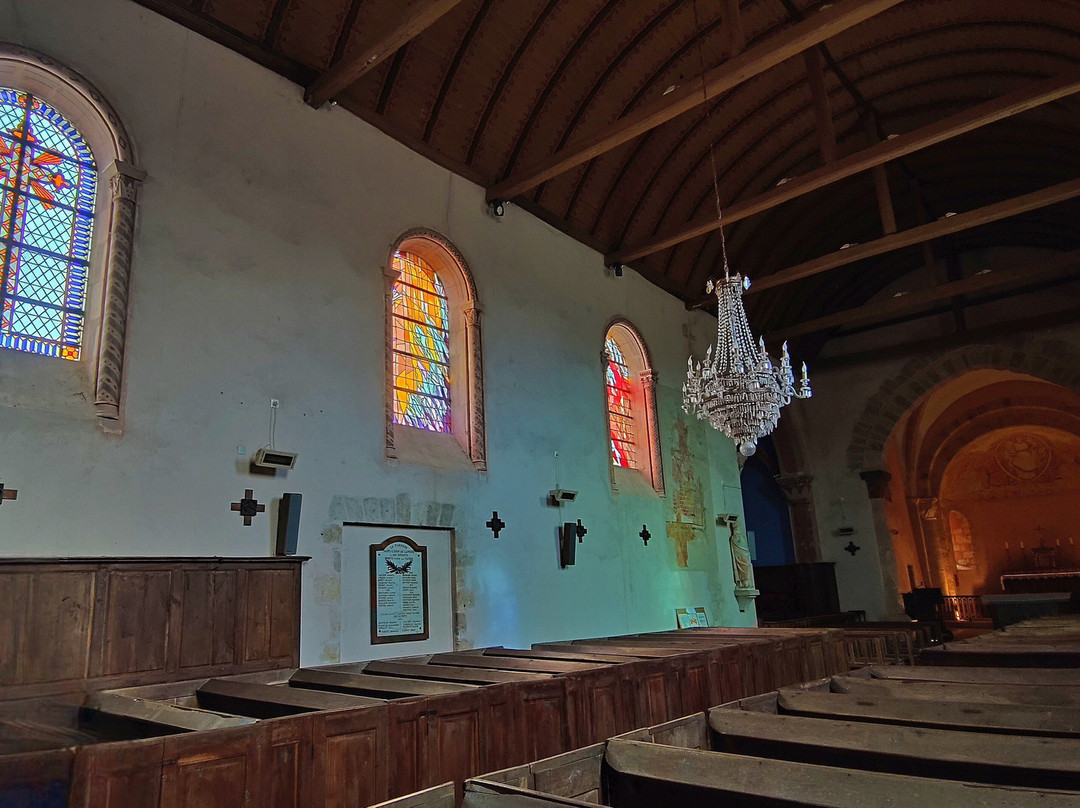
x=964, y=692
x=640, y=775
x=991, y=718
x=271, y=701
x=944, y=754
x=1040, y=677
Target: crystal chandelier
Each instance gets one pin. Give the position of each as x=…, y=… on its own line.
x=737, y=389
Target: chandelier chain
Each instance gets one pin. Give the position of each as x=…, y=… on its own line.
x=711, y=139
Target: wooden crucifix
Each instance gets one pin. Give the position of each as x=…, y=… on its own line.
x=7, y=493
x=248, y=507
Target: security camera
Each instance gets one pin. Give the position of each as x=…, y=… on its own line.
x=617, y=269
x=558, y=496
x=497, y=207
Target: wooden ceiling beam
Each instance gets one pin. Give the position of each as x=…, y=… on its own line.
x=1043, y=92
x=376, y=45
x=945, y=226
x=832, y=20
x=1045, y=270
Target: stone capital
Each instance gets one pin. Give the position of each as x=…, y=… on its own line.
x=877, y=483
x=796, y=487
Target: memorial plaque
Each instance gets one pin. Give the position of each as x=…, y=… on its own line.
x=399, y=597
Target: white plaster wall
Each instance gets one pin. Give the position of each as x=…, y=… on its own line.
x=263, y=227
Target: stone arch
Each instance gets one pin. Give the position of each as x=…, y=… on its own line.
x=1050, y=360
x=114, y=218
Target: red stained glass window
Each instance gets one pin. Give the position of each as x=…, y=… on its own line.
x=620, y=407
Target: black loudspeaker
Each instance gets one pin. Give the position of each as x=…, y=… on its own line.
x=567, y=544
x=288, y=524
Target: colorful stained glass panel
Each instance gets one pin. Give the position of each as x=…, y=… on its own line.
x=620, y=407
x=48, y=180
x=420, y=344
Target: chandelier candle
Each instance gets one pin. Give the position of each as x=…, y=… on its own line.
x=738, y=389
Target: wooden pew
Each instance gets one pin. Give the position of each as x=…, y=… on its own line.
x=364, y=684
x=418, y=670
x=646, y=775
x=272, y=701
x=442, y=796
x=513, y=663
x=1002, y=654
x=944, y=754
x=993, y=718
x=965, y=692
x=1040, y=677
x=539, y=653
x=169, y=717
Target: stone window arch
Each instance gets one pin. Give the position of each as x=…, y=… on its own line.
x=108, y=266
x=630, y=397
x=434, y=365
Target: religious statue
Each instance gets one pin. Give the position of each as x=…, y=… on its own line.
x=741, y=565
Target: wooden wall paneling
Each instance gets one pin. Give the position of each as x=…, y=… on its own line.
x=352, y=755
x=731, y=679
x=651, y=686
x=456, y=742
x=599, y=704
x=408, y=746
x=14, y=589
x=136, y=620
x=695, y=683
x=118, y=775
x=36, y=779
x=286, y=761
x=206, y=617
x=215, y=769
x=59, y=607
x=504, y=729
x=547, y=719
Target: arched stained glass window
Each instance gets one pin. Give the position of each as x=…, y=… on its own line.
x=48, y=179
x=420, y=345
x=620, y=406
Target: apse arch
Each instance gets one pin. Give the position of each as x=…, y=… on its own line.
x=1049, y=360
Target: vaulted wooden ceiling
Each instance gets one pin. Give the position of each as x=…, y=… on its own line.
x=875, y=118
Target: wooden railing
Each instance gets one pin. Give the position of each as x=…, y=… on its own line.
x=965, y=608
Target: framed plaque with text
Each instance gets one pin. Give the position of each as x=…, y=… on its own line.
x=399, y=595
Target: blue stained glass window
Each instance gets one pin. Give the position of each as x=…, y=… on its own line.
x=48, y=180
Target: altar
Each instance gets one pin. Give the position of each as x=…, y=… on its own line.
x=1042, y=580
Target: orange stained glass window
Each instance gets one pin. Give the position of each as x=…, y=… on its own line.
x=420, y=346
x=620, y=407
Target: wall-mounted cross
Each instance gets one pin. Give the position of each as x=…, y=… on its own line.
x=495, y=523
x=581, y=531
x=248, y=507
x=7, y=493
x=645, y=534
x=852, y=547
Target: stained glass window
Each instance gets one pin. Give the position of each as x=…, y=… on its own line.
x=620, y=409
x=421, y=346
x=48, y=179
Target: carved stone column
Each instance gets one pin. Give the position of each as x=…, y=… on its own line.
x=477, y=433
x=877, y=487
x=656, y=462
x=390, y=277
x=797, y=489
x=124, y=180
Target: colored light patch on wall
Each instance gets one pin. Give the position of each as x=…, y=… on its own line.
x=620, y=407
x=420, y=346
x=48, y=180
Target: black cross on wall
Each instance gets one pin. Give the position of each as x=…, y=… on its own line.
x=495, y=523
x=645, y=534
x=581, y=531
x=248, y=507
x=852, y=547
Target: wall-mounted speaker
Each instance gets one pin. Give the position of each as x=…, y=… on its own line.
x=288, y=524
x=567, y=544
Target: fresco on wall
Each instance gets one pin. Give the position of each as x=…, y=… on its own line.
x=1021, y=463
x=687, y=498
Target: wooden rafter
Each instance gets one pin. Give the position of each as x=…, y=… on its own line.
x=412, y=19
x=998, y=109
x=1045, y=270
x=817, y=28
x=917, y=235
